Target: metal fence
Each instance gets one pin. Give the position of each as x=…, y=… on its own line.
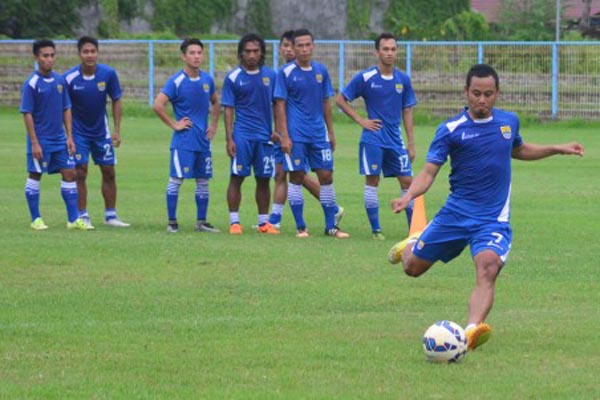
x=546, y=79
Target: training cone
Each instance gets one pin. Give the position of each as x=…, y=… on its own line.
x=419, y=217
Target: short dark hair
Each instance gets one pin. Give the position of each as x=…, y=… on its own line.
x=302, y=32
x=252, y=37
x=384, y=36
x=482, y=71
x=86, y=39
x=188, y=42
x=289, y=35
x=38, y=44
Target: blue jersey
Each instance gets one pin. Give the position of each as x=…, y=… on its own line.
x=88, y=95
x=480, y=158
x=46, y=99
x=385, y=98
x=251, y=95
x=304, y=91
x=190, y=98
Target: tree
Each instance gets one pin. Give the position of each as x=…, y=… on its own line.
x=185, y=17
x=526, y=20
x=467, y=25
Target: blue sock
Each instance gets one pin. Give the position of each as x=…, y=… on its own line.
x=172, y=197
x=276, y=214
x=296, y=200
x=68, y=190
x=32, y=194
x=201, y=195
x=327, y=198
x=408, y=210
x=372, y=206
x=83, y=213
x=110, y=213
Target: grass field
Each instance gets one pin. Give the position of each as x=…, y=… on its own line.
x=137, y=313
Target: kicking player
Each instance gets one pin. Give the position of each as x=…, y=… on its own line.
x=286, y=50
x=480, y=141
x=303, y=118
x=248, y=94
x=46, y=110
x=389, y=99
x=192, y=95
x=89, y=84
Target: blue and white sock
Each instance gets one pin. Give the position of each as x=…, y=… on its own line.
x=327, y=198
x=296, y=200
x=276, y=213
x=372, y=206
x=263, y=219
x=84, y=213
x=172, y=197
x=32, y=195
x=68, y=190
x=408, y=210
x=234, y=217
x=110, y=213
x=202, y=196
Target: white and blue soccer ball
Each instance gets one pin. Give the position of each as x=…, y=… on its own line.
x=445, y=342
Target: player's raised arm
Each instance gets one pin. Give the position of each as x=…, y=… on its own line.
x=531, y=151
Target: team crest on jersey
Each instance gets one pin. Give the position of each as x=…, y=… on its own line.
x=102, y=86
x=297, y=161
x=506, y=131
x=206, y=87
x=373, y=167
x=319, y=78
x=420, y=244
x=45, y=164
x=78, y=156
x=239, y=168
x=266, y=81
x=399, y=87
x=186, y=169
x=59, y=88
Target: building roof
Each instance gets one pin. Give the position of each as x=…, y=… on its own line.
x=572, y=9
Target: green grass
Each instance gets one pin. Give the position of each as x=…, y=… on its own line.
x=137, y=313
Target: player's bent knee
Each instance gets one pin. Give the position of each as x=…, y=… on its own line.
x=415, y=267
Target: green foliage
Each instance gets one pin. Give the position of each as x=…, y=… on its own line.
x=36, y=19
x=531, y=20
x=465, y=26
x=109, y=24
x=189, y=16
x=258, y=18
x=358, y=13
x=411, y=20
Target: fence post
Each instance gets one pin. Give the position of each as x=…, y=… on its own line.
x=479, y=53
x=275, y=57
x=408, y=59
x=150, y=72
x=555, y=72
x=341, y=67
x=211, y=54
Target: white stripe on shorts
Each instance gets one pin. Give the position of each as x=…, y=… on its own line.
x=177, y=164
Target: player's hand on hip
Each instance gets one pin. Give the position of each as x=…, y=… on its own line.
x=400, y=204
x=36, y=151
x=71, y=146
x=183, y=124
x=230, y=148
x=116, y=139
x=373, y=125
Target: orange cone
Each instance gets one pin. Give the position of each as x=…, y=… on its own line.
x=419, y=217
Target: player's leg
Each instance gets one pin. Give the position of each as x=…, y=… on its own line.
x=487, y=267
x=405, y=182
x=396, y=162
x=280, y=188
x=82, y=145
x=312, y=185
x=370, y=163
x=32, y=190
x=295, y=164
x=264, y=169
x=202, y=171
x=178, y=161
x=109, y=192
x=62, y=162
x=234, y=198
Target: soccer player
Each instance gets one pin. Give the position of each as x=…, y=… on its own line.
x=248, y=94
x=389, y=99
x=286, y=50
x=303, y=118
x=480, y=141
x=89, y=84
x=192, y=96
x=46, y=110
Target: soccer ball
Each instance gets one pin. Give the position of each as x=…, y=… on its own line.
x=445, y=341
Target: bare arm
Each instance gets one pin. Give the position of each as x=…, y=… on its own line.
x=215, y=109
x=116, y=112
x=229, y=143
x=159, y=107
x=368, y=124
x=36, y=149
x=281, y=126
x=329, y=122
x=419, y=186
x=68, y=121
x=531, y=151
x=407, y=118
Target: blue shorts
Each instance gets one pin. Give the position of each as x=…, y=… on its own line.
x=253, y=154
x=277, y=153
x=313, y=155
x=103, y=152
x=52, y=161
x=191, y=164
x=449, y=233
x=374, y=159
